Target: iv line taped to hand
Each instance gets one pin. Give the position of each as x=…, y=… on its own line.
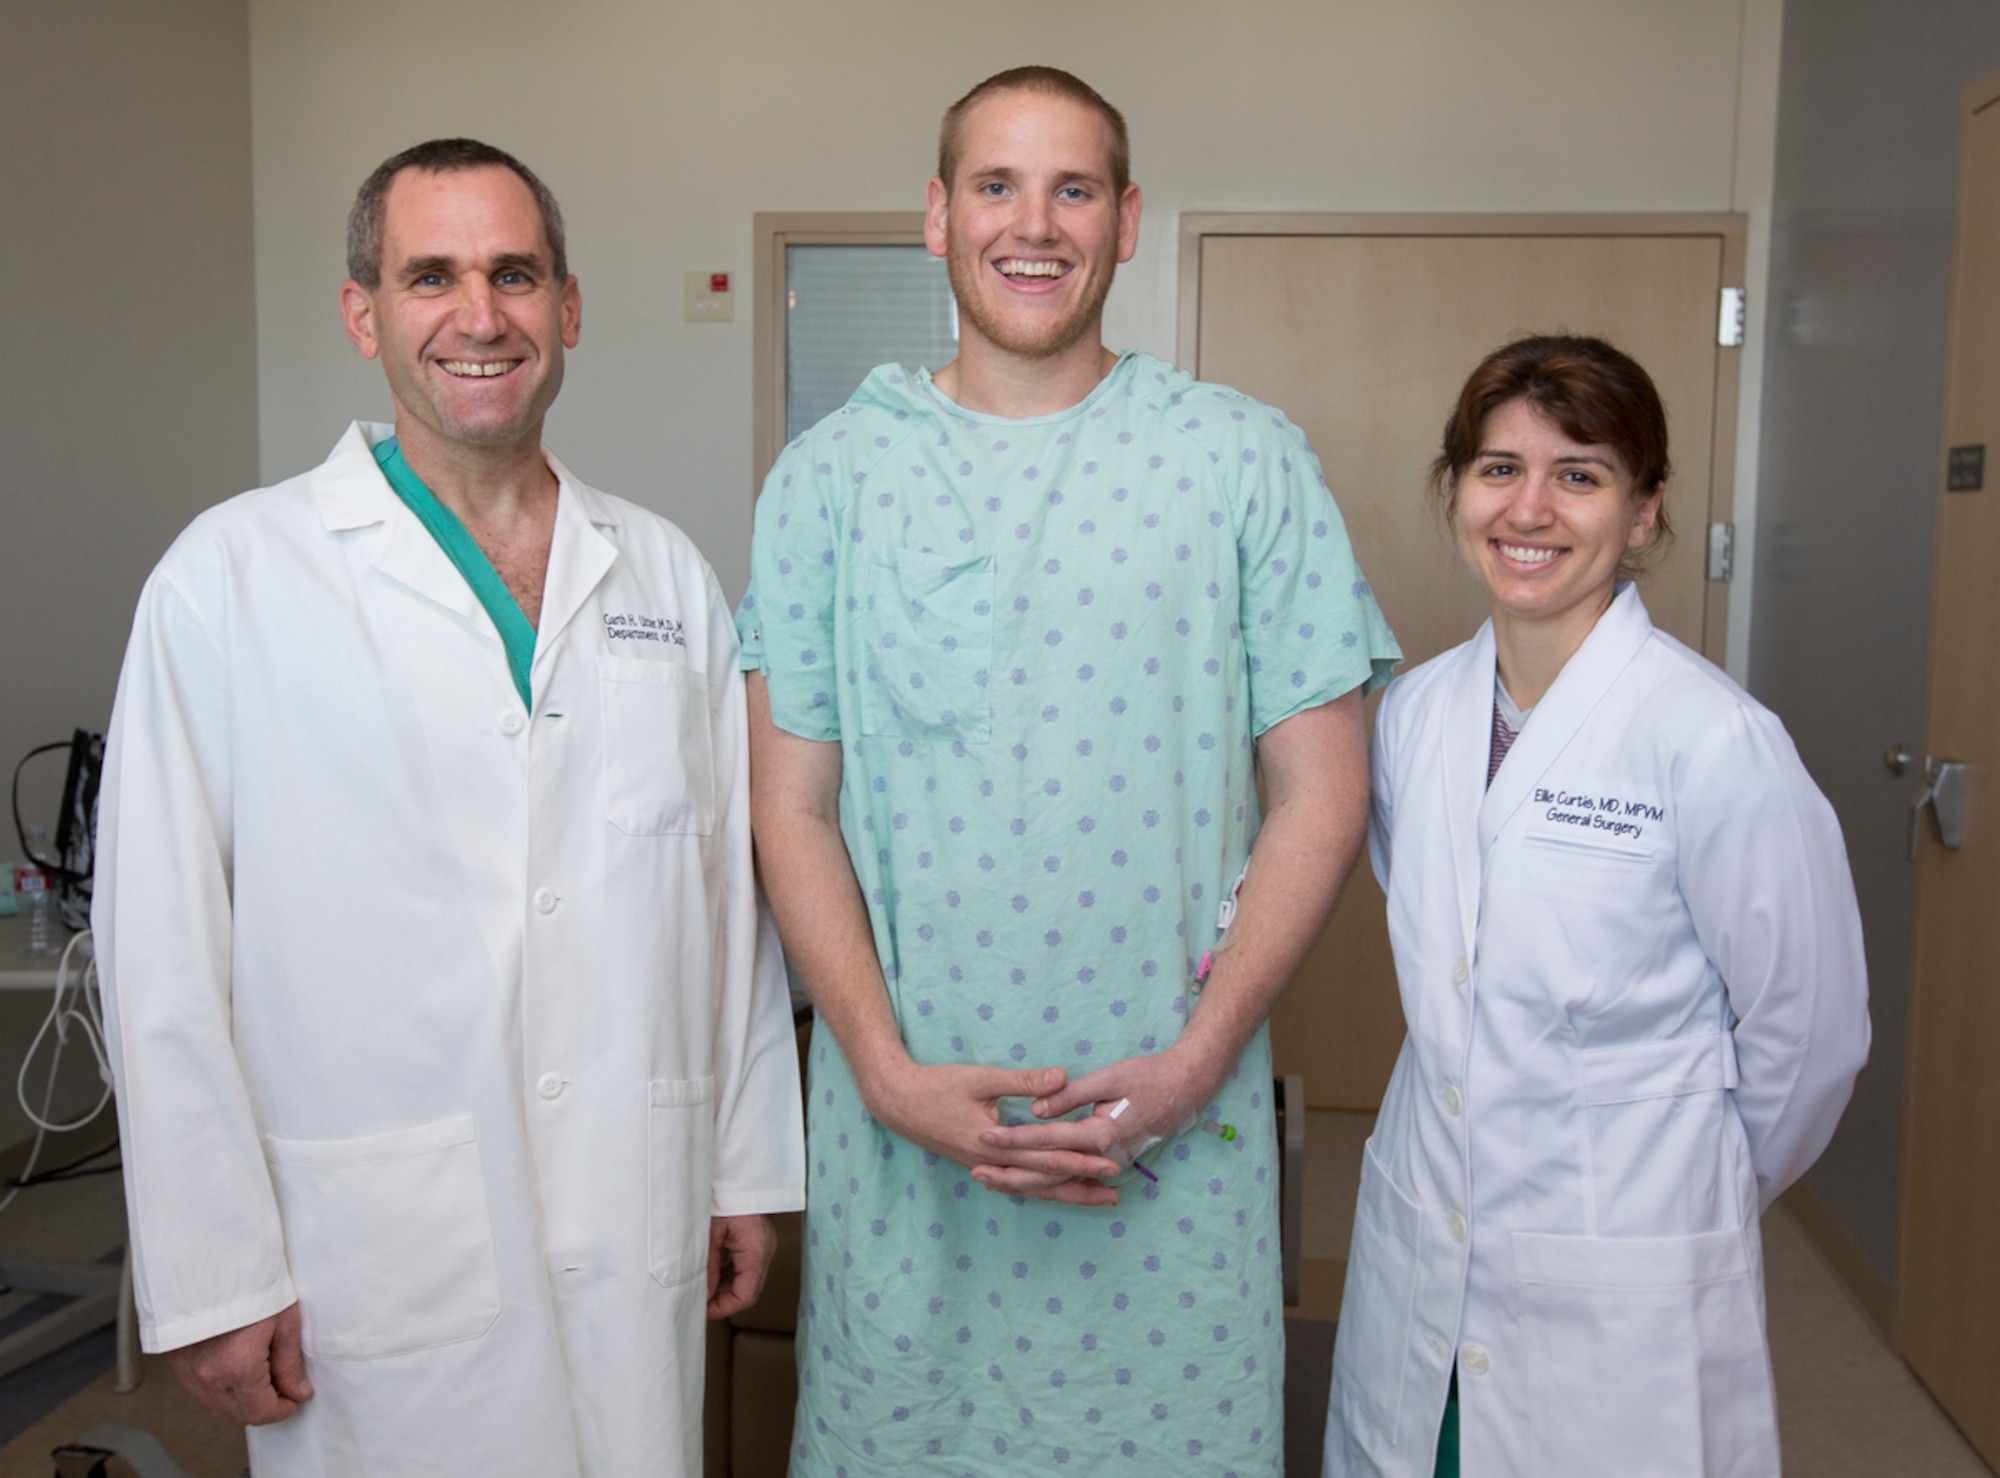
x=1143, y=1138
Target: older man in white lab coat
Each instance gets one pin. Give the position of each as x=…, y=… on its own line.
x=451, y=1051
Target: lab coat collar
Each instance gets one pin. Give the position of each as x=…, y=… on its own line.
x=1612, y=644
x=348, y=486
x=352, y=493
x=580, y=555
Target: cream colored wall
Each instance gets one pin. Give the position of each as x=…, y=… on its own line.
x=128, y=377
x=128, y=389
x=663, y=127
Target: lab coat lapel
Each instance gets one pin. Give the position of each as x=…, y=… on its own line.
x=352, y=493
x=1612, y=644
x=580, y=554
x=1469, y=728
x=409, y=555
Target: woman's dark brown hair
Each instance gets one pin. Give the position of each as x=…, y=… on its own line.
x=1588, y=390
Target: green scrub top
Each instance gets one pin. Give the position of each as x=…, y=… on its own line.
x=517, y=633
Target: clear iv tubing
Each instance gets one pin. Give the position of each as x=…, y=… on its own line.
x=87, y=1013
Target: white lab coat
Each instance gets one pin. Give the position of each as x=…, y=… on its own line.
x=1633, y=979
x=453, y=1022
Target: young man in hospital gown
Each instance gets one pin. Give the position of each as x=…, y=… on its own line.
x=1021, y=633
x=450, y=1051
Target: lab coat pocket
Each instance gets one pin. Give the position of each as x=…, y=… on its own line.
x=1642, y=1350
x=389, y=1238
x=1372, y=1343
x=680, y=1165
x=928, y=627
x=659, y=769
x=1587, y=849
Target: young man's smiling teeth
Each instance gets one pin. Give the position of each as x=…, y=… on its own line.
x=472, y=369
x=1021, y=267
x=1525, y=555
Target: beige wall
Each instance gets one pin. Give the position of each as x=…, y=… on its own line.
x=663, y=127
x=128, y=390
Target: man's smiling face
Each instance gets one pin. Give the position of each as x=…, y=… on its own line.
x=469, y=320
x=1032, y=228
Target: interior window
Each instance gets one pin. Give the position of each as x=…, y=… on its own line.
x=850, y=308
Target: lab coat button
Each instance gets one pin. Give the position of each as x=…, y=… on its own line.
x=1475, y=1360
x=1459, y=971
x=512, y=723
x=550, y=1085
x=1452, y=1102
x=1457, y=1225
x=545, y=901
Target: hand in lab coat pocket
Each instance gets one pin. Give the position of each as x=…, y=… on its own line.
x=389, y=1238
x=659, y=762
x=680, y=1166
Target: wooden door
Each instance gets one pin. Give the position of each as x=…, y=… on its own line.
x=1364, y=337
x=1948, y=1306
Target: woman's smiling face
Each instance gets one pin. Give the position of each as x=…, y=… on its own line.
x=1544, y=521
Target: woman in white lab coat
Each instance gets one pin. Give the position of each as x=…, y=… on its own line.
x=1630, y=962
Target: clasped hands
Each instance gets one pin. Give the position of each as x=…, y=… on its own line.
x=954, y=1111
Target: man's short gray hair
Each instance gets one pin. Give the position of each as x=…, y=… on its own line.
x=439, y=156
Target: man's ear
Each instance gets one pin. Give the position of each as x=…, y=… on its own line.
x=572, y=312
x=936, y=201
x=357, y=316
x=1128, y=223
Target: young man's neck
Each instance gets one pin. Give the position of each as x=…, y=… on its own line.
x=485, y=486
x=995, y=382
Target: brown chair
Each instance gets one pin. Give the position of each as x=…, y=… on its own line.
x=753, y=1384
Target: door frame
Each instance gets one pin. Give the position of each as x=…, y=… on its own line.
x=1976, y=98
x=770, y=233
x=1733, y=227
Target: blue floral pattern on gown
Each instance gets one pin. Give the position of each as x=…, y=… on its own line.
x=1046, y=647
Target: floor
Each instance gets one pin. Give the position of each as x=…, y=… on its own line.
x=1847, y=1407
x=55, y=1400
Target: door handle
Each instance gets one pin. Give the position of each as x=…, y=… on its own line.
x=1944, y=794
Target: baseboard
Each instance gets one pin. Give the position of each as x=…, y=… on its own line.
x=1321, y=1281
x=1850, y=1264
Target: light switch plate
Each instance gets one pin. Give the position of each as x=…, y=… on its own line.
x=708, y=297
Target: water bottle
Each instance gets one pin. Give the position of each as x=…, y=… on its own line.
x=38, y=900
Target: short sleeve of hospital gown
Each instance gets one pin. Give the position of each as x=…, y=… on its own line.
x=1311, y=628
x=786, y=618
x=1046, y=647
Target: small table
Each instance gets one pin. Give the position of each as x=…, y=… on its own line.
x=32, y=972
x=98, y=1293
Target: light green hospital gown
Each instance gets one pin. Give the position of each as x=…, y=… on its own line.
x=1045, y=647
